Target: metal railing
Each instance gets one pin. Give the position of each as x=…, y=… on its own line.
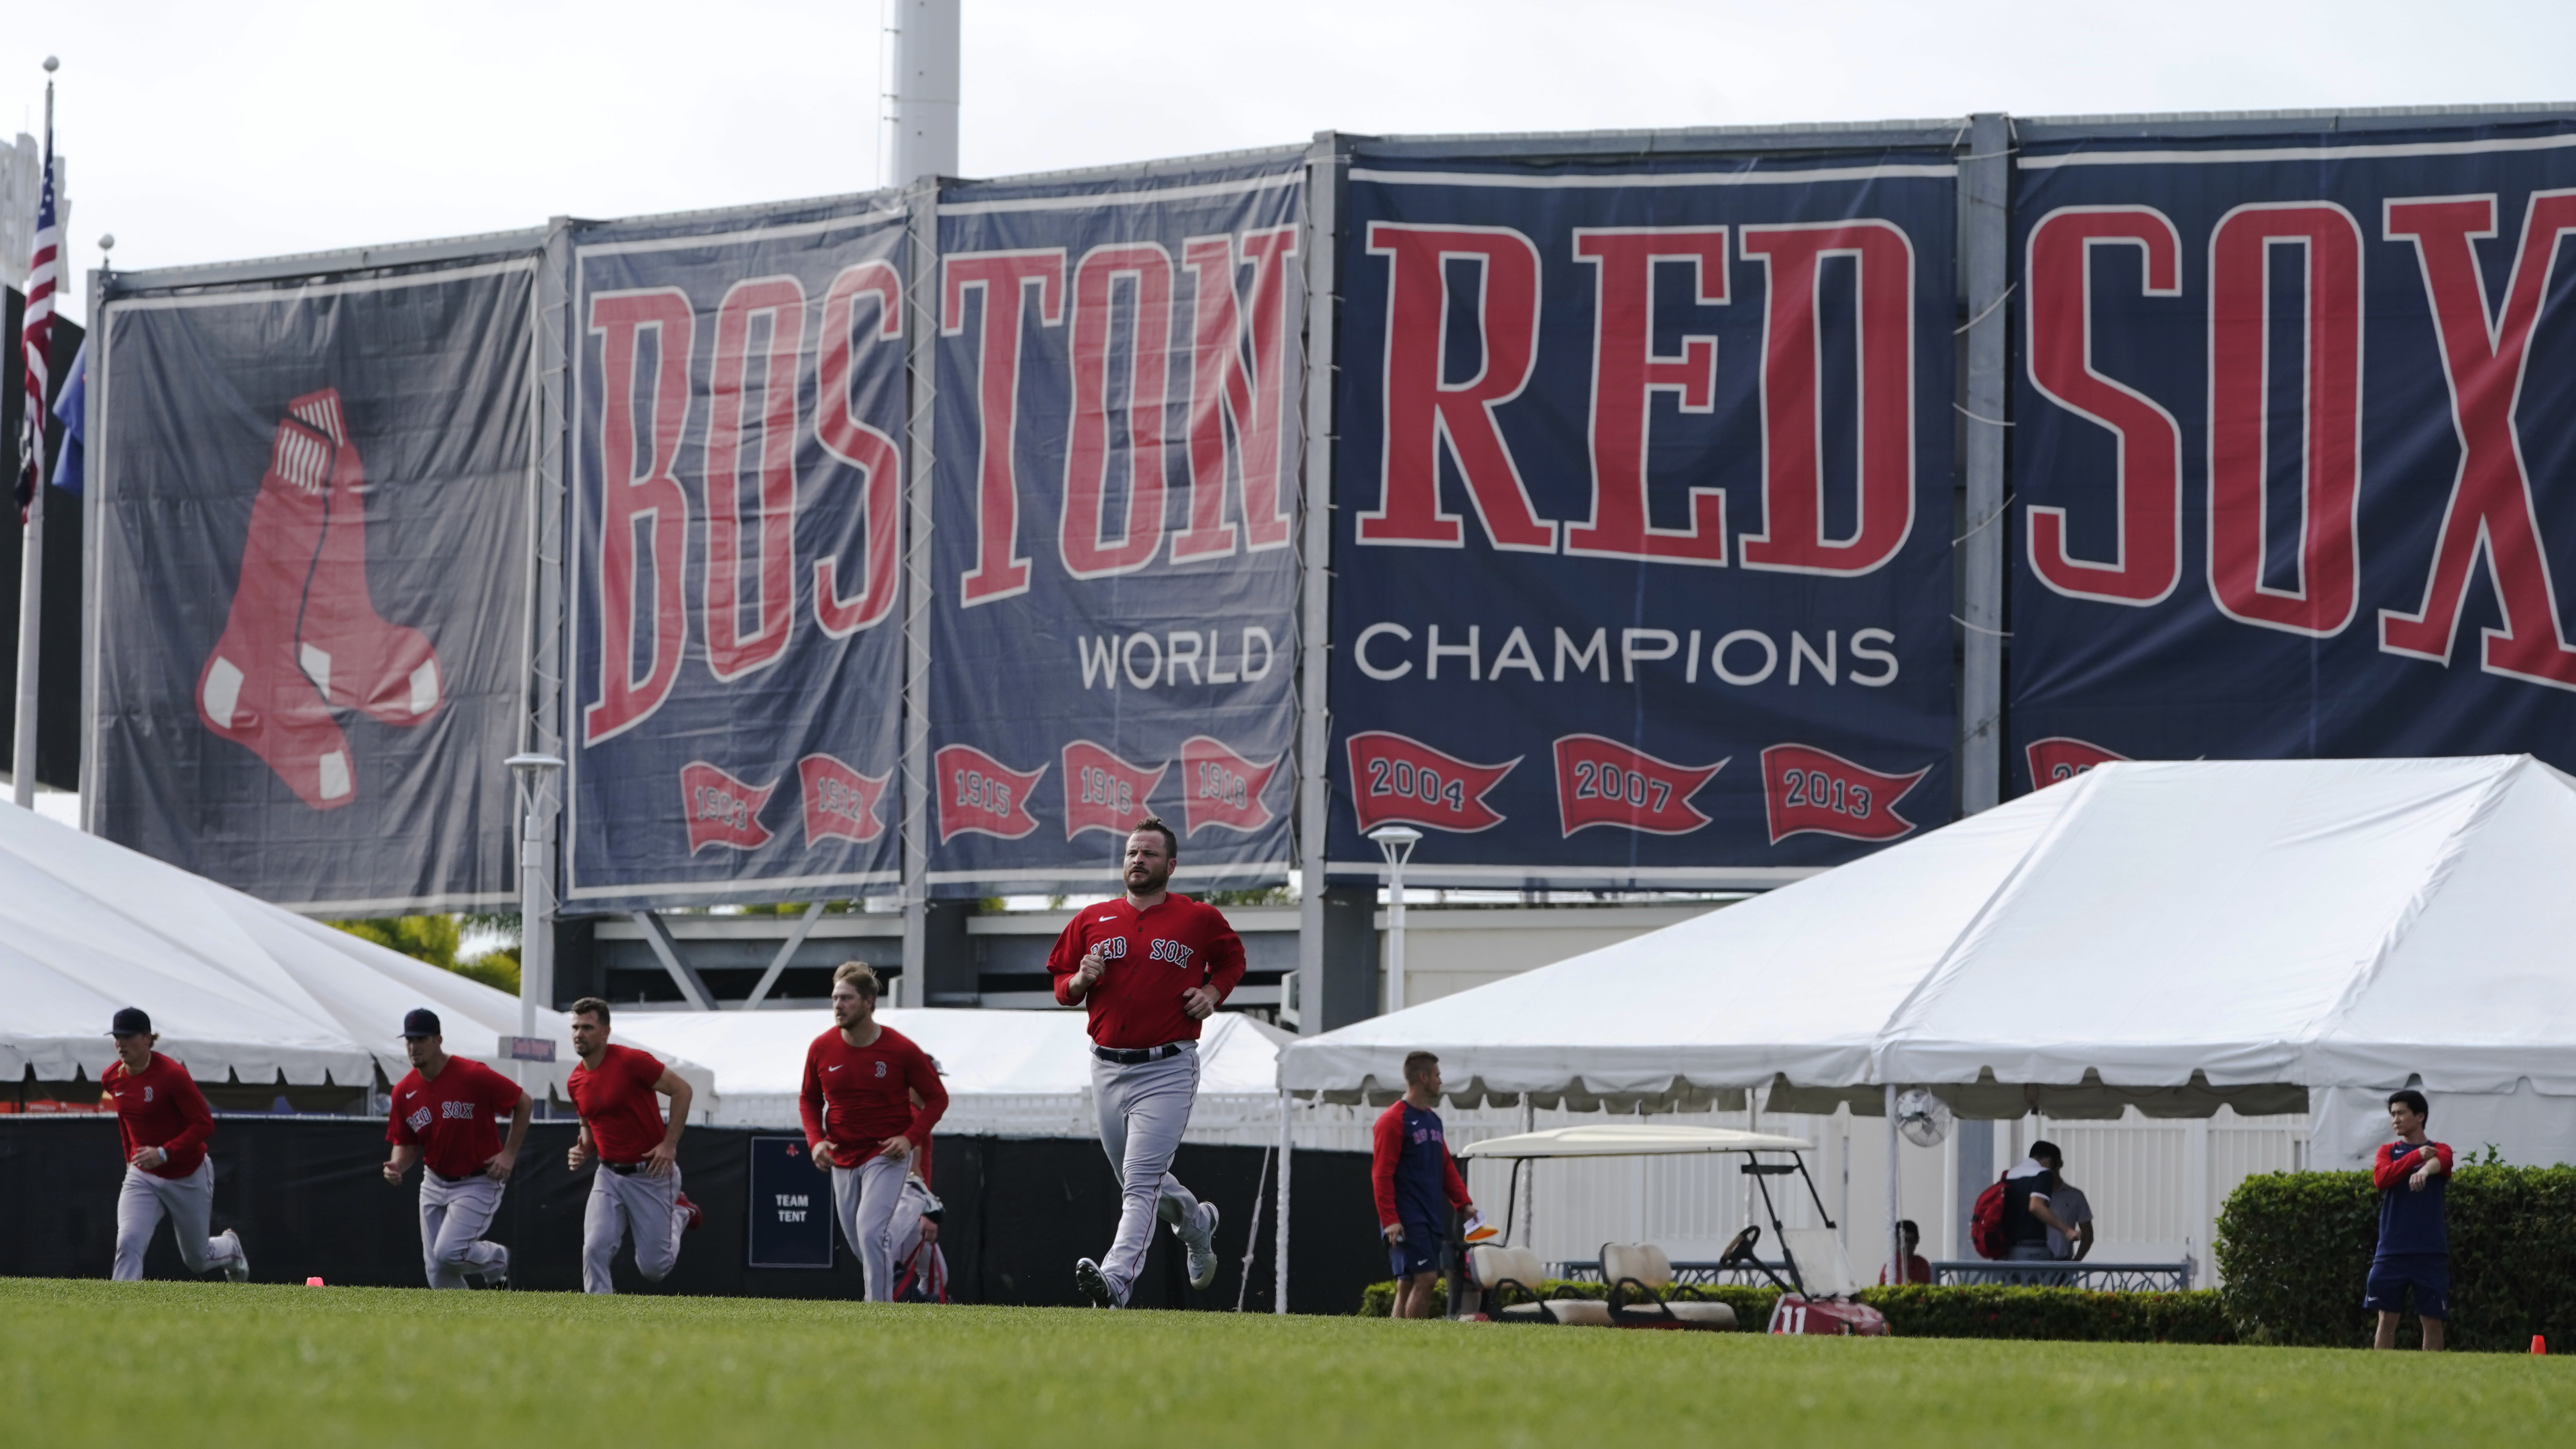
x=2101, y=1277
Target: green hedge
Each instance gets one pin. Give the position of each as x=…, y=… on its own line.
x=2294, y=1249
x=2071, y=1314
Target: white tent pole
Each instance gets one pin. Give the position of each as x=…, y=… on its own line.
x=1287, y=1147
x=1895, y=1195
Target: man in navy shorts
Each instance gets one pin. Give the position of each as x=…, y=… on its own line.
x=2414, y=1246
x=1416, y=1184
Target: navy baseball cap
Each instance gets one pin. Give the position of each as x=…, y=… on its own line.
x=130, y=1021
x=420, y=1021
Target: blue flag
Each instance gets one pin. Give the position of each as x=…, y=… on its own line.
x=69, y=411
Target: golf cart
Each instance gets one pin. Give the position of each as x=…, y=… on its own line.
x=1815, y=1297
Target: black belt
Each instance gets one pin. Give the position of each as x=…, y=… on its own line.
x=624, y=1169
x=1141, y=1055
x=456, y=1181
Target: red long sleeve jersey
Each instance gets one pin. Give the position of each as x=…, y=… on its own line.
x=857, y=1097
x=1153, y=956
x=1403, y=1151
x=160, y=1107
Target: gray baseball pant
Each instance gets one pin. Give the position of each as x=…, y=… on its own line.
x=453, y=1216
x=190, y=1202
x=1144, y=1109
x=636, y=1202
x=864, y=1199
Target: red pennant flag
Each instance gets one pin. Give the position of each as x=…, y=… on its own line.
x=1104, y=792
x=1221, y=788
x=1807, y=788
x=722, y=810
x=1603, y=782
x=980, y=795
x=840, y=802
x=1401, y=781
x=2060, y=758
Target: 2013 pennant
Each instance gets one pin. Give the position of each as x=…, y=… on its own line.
x=1806, y=789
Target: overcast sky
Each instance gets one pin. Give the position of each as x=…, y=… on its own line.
x=203, y=132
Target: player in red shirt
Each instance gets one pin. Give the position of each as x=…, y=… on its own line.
x=1149, y=967
x=870, y=1099
x=638, y=1184
x=442, y=1117
x=164, y=1122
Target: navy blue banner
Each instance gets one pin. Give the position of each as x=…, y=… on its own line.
x=2295, y=419
x=1114, y=578
x=1642, y=540
x=737, y=484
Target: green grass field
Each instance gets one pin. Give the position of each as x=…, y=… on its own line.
x=211, y=1364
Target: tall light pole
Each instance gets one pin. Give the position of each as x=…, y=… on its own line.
x=1396, y=842
x=534, y=774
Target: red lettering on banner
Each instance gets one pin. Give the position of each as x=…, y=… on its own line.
x=634, y=491
x=731, y=653
x=1220, y=789
x=1426, y=413
x=2490, y=507
x=2059, y=758
x=1627, y=372
x=2240, y=346
x=1005, y=279
x=1224, y=389
x=1104, y=792
x=1807, y=789
x=1603, y=782
x=979, y=795
x=840, y=803
x=1147, y=269
x=722, y=810
x=2147, y=484
x=1396, y=780
x=1793, y=539
x=844, y=436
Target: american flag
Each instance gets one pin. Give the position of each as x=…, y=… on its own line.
x=35, y=344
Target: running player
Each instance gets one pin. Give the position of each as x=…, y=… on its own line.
x=1150, y=967
x=870, y=1099
x=443, y=1111
x=164, y=1122
x=638, y=1186
x=1416, y=1184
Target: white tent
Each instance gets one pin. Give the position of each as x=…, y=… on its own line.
x=1012, y=1073
x=2173, y=935
x=235, y=986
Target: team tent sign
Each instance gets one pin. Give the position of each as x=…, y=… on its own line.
x=738, y=481
x=2294, y=423
x=1112, y=580
x=1641, y=547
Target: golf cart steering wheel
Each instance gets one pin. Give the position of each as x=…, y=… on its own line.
x=1740, y=1251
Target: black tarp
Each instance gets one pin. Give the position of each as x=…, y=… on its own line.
x=306, y=1195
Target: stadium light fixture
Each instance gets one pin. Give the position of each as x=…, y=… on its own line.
x=1396, y=842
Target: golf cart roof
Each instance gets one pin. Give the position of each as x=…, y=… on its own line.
x=1635, y=1139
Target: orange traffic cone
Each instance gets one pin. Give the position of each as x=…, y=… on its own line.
x=316, y=1283
x=2539, y=1345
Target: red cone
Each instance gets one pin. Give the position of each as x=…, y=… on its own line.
x=355, y=658
x=2539, y=1345
x=251, y=690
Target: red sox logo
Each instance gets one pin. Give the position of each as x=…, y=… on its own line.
x=302, y=638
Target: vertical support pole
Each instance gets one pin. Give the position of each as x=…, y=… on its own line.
x=921, y=363
x=1895, y=1192
x=31, y=554
x=1395, y=938
x=925, y=83
x=1287, y=1152
x=1327, y=166
x=1985, y=179
x=541, y=848
x=96, y=466
x=2198, y=1220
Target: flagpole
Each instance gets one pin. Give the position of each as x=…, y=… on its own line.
x=31, y=565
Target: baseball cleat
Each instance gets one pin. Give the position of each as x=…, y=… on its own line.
x=1201, y=1245
x=1088, y=1281
x=499, y=1274
x=696, y=1215
x=236, y=1267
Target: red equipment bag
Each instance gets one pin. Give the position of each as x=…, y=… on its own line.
x=1796, y=1313
x=1986, y=1223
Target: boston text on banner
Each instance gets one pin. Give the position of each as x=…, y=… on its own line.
x=1114, y=583
x=2295, y=423
x=1643, y=487
x=310, y=507
x=737, y=483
